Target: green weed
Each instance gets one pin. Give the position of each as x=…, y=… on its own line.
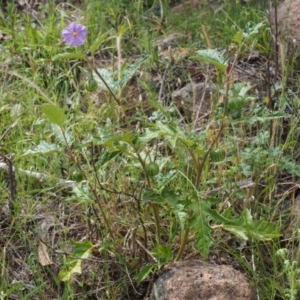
x=102, y=185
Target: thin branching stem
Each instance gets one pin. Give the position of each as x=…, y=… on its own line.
x=154, y=205
x=104, y=81
x=92, y=189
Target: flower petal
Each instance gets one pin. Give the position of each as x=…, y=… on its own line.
x=74, y=34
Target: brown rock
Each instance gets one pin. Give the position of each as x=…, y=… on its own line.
x=194, y=280
x=170, y=41
x=193, y=98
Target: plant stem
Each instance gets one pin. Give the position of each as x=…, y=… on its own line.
x=92, y=189
x=183, y=242
x=104, y=81
x=185, y=233
x=197, y=183
x=154, y=205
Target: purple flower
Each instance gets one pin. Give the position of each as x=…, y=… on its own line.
x=74, y=34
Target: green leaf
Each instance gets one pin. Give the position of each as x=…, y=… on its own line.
x=55, y=114
x=171, y=197
x=81, y=250
x=168, y=131
x=259, y=230
x=106, y=156
x=43, y=148
x=162, y=179
x=245, y=227
x=82, y=193
x=109, y=79
x=252, y=31
x=287, y=163
x=245, y=169
x=182, y=216
x=98, y=41
x=68, y=55
x=242, y=89
x=203, y=231
x=60, y=137
x=150, y=194
x=238, y=231
x=114, y=84
x=163, y=253
x=144, y=272
x=238, y=37
x=150, y=134
x=112, y=139
x=129, y=72
x=160, y=197
x=214, y=57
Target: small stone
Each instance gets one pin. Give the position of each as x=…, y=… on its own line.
x=171, y=41
x=194, y=280
x=193, y=97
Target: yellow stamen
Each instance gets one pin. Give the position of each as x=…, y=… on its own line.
x=74, y=33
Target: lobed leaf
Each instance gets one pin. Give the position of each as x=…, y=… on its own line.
x=43, y=148
x=109, y=79
x=129, y=72
x=213, y=57
x=203, y=230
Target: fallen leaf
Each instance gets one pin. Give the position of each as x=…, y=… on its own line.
x=43, y=255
